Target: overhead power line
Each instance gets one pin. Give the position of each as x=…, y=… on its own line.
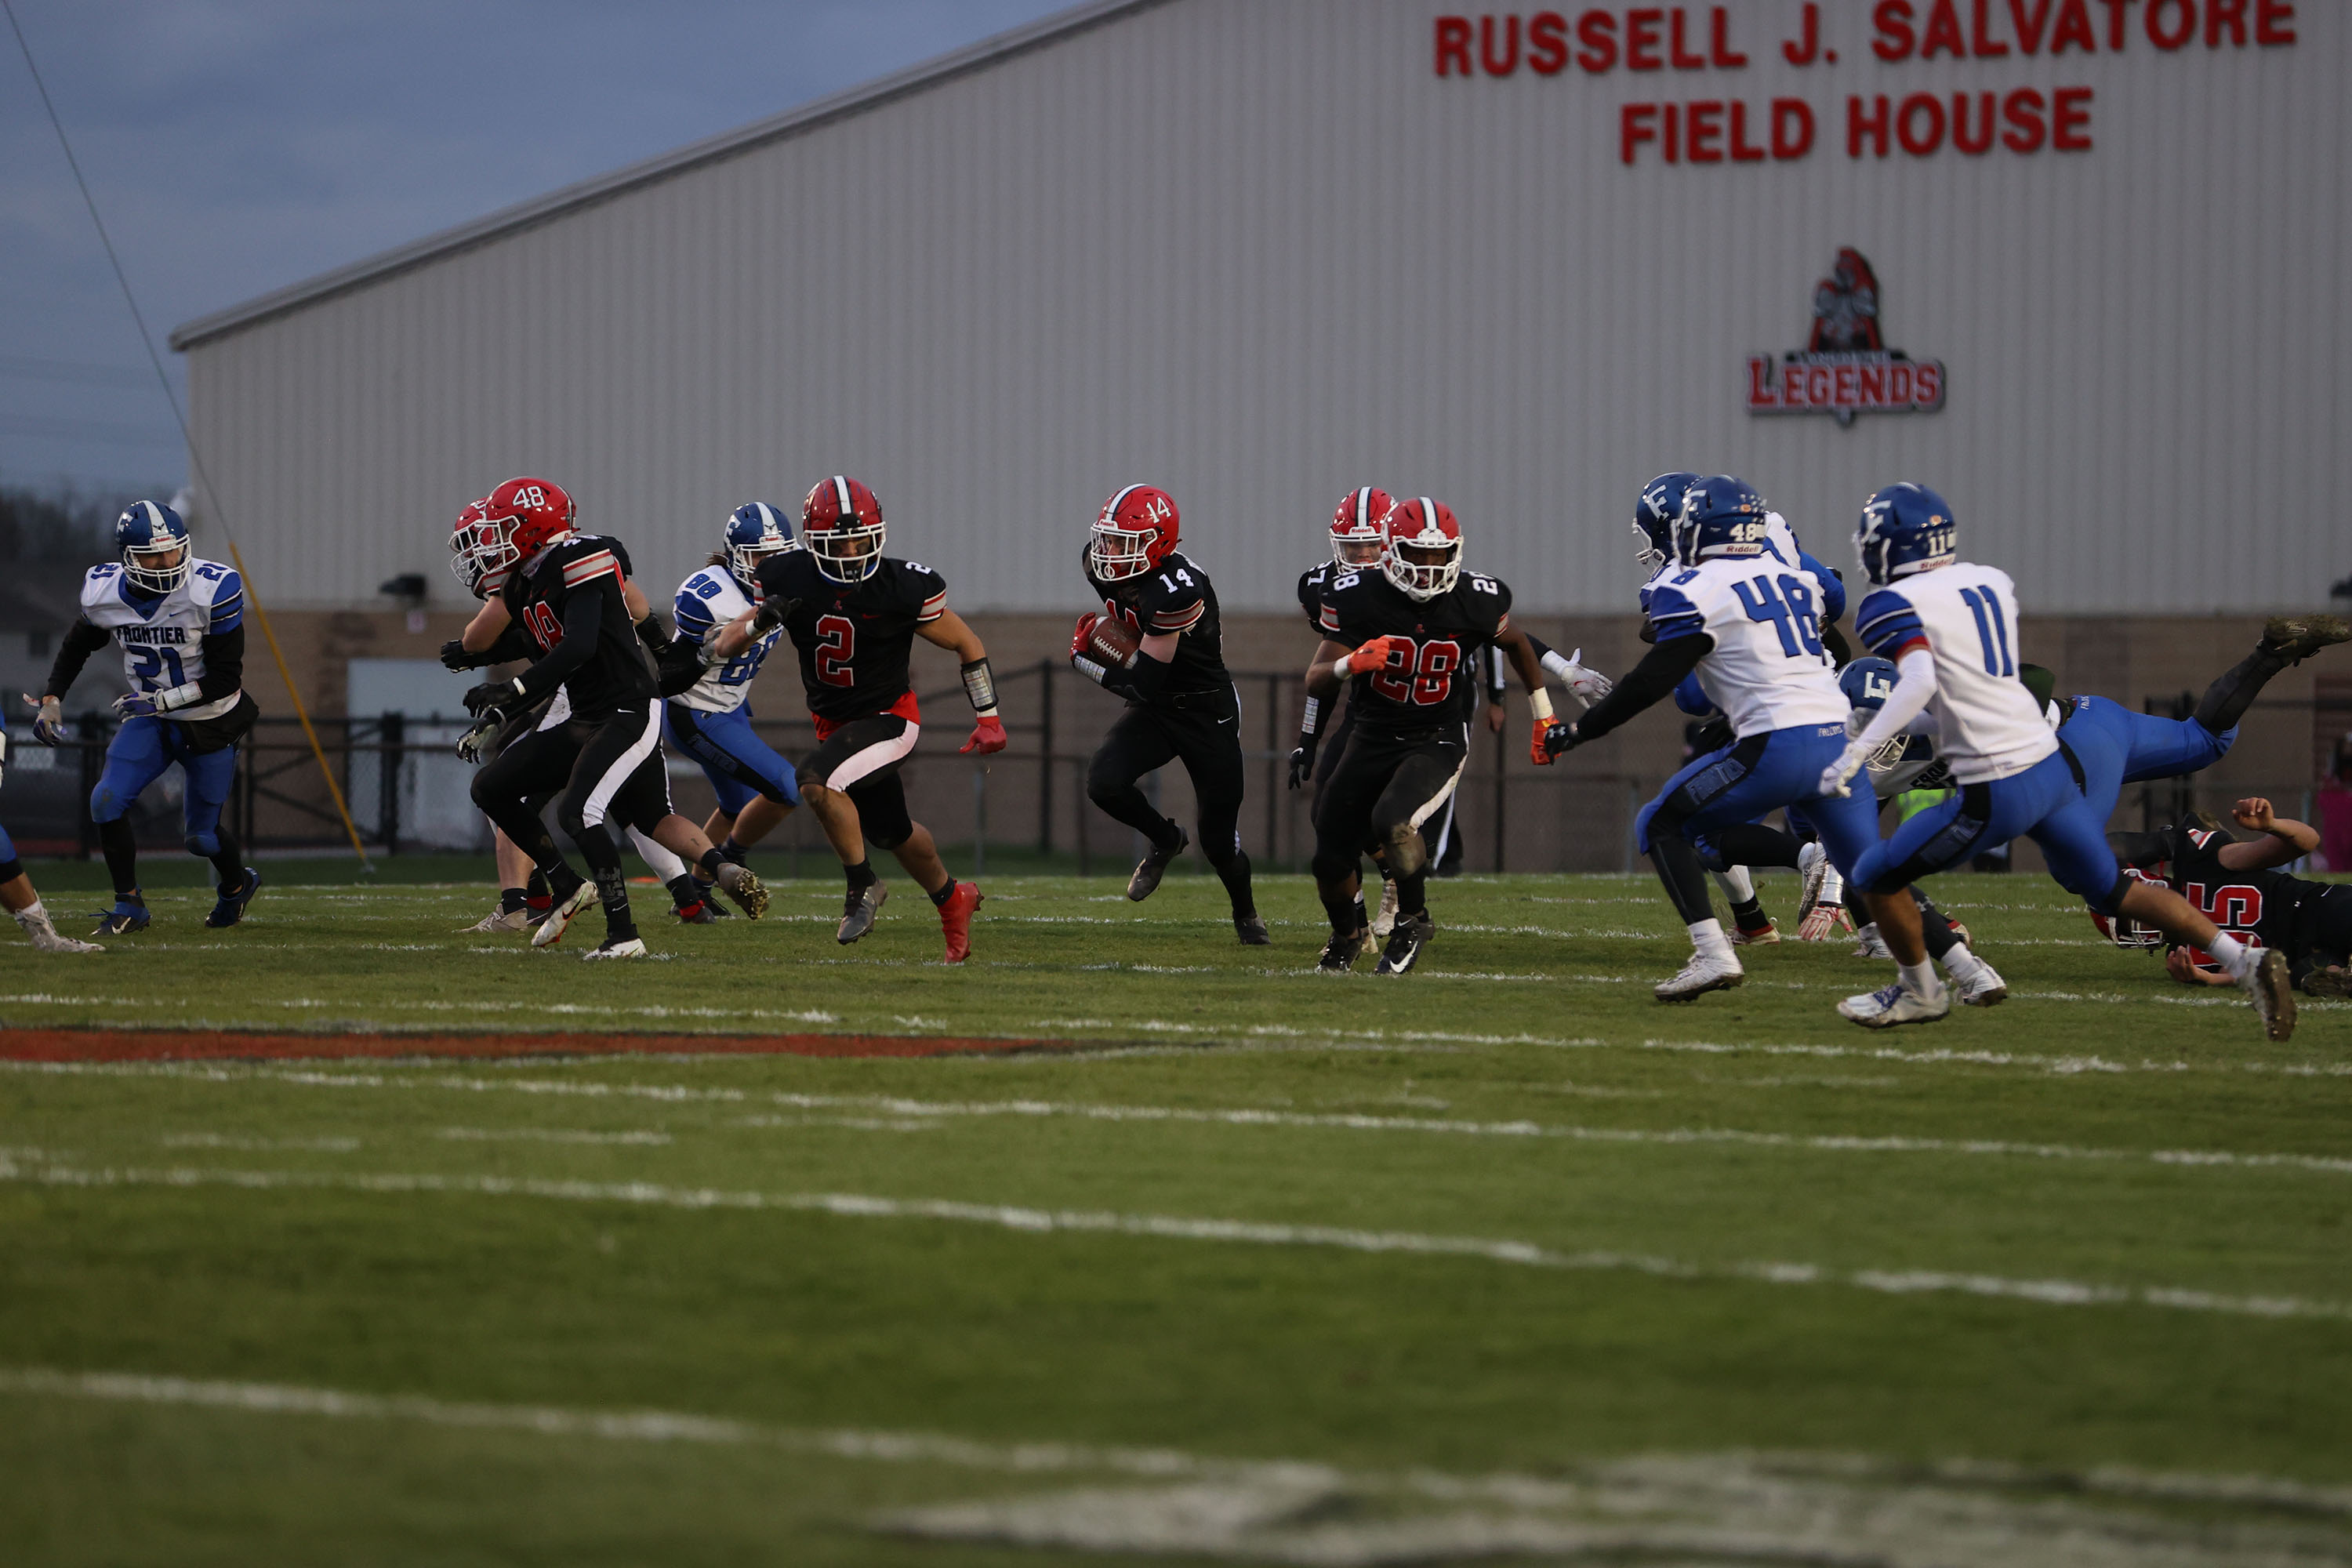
x=73, y=375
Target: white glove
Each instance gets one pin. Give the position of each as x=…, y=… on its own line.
x=1833, y=777
x=1587, y=686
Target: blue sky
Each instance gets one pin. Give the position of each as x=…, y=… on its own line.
x=235, y=147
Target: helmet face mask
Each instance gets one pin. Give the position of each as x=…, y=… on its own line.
x=1358, y=540
x=755, y=531
x=842, y=529
x=1655, y=511
x=1133, y=533
x=1867, y=683
x=480, y=553
x=1425, y=554
x=2124, y=932
x=154, y=546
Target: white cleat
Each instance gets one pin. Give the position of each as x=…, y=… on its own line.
x=46, y=939
x=1986, y=988
x=516, y=920
x=1699, y=976
x=1885, y=1009
x=2267, y=985
x=1868, y=943
x=1385, y=921
x=615, y=947
x=559, y=919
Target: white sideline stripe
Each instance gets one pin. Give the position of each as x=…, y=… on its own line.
x=1174, y=1227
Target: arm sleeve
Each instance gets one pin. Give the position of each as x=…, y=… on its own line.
x=1833, y=589
x=81, y=640
x=1916, y=668
x=584, y=622
x=1660, y=670
x=224, y=663
x=653, y=634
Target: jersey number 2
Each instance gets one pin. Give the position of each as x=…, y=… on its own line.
x=1427, y=676
x=836, y=645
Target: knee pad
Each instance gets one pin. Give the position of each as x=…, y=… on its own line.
x=204, y=846
x=1408, y=852
x=105, y=806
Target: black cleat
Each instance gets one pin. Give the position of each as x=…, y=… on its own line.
x=1339, y=953
x=701, y=913
x=1154, y=866
x=2297, y=637
x=857, y=911
x=229, y=908
x=1250, y=929
x=1406, y=938
x=128, y=916
x=2332, y=981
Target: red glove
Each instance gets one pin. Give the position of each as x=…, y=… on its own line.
x=1086, y=629
x=987, y=734
x=1373, y=653
x=1538, y=752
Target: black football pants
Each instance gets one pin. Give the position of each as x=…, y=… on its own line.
x=600, y=764
x=1204, y=734
x=1384, y=789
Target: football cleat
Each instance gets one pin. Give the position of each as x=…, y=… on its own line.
x=1385, y=921
x=2333, y=981
x=560, y=913
x=128, y=916
x=1763, y=935
x=2297, y=637
x=2272, y=994
x=1250, y=929
x=1411, y=934
x=955, y=919
x=1868, y=943
x=1152, y=867
x=1339, y=953
x=701, y=913
x=230, y=909
x=1884, y=1009
x=616, y=947
x=498, y=920
x=1961, y=933
x=1699, y=976
x=740, y=884
x=45, y=937
x=858, y=909
x=1984, y=988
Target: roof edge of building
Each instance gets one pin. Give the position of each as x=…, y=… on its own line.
x=605, y=187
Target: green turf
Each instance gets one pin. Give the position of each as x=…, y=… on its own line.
x=1497, y=1096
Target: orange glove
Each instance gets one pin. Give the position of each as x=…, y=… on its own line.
x=1086, y=629
x=1538, y=752
x=1374, y=654
x=987, y=735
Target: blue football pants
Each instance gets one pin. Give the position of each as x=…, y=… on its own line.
x=142, y=749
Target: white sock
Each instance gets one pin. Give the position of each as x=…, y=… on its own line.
x=1961, y=965
x=31, y=915
x=1919, y=979
x=1708, y=941
x=2232, y=955
x=1737, y=884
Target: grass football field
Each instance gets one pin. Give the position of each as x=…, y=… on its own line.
x=1229, y=1261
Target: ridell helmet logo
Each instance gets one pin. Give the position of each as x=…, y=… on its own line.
x=1845, y=367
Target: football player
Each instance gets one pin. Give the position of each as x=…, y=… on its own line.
x=1357, y=543
x=710, y=721
x=16, y=894
x=566, y=590
x=1401, y=635
x=1952, y=628
x=853, y=614
x=1181, y=705
x=1747, y=625
x=2238, y=884
x=181, y=623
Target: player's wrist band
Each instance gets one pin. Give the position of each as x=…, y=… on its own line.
x=179, y=696
x=1540, y=702
x=980, y=686
x=1341, y=668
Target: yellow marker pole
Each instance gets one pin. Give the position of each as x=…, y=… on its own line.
x=269, y=635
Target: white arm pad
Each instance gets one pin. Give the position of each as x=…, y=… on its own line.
x=1913, y=690
x=1558, y=666
x=184, y=695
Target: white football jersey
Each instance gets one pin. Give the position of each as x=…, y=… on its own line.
x=1767, y=669
x=707, y=601
x=1988, y=725
x=163, y=639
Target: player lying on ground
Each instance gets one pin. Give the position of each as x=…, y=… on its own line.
x=1746, y=624
x=181, y=623
x=1401, y=637
x=853, y=614
x=1951, y=629
x=16, y=894
x=1157, y=643
x=2237, y=884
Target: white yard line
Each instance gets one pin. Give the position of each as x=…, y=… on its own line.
x=1174, y=1227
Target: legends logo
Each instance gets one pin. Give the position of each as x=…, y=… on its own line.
x=1846, y=368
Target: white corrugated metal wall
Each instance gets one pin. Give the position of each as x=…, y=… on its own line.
x=1259, y=252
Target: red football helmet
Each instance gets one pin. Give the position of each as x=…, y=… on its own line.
x=2124, y=931
x=1424, y=552
x=479, y=554
x=842, y=527
x=1357, y=537
x=532, y=513
x=1134, y=533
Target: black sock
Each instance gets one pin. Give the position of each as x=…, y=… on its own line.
x=537, y=886
x=2226, y=701
x=512, y=900
x=947, y=890
x=1363, y=915
x=613, y=892
x=228, y=862
x=861, y=876
x=1685, y=878
x=1936, y=927
x=1412, y=893
x=1233, y=871
x=1345, y=910
x=710, y=863
x=1749, y=915
x=121, y=847
x=734, y=853
x=683, y=892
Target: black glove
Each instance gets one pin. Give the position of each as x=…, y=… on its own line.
x=1560, y=739
x=454, y=656
x=475, y=743
x=772, y=613
x=1302, y=761
x=492, y=698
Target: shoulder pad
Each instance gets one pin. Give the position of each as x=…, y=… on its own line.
x=99, y=582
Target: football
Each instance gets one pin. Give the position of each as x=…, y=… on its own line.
x=1113, y=641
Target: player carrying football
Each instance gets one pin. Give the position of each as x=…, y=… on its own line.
x=1157, y=643
x=1401, y=635
x=853, y=614
x=181, y=623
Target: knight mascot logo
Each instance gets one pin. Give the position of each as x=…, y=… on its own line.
x=1845, y=367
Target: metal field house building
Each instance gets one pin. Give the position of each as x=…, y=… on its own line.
x=2081, y=264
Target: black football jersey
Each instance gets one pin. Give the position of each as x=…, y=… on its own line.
x=1311, y=583
x=2256, y=907
x=1435, y=681
x=540, y=594
x=854, y=638
x=1173, y=596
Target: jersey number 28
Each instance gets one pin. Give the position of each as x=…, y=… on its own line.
x=1427, y=677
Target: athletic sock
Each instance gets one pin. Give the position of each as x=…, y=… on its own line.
x=1363, y=915
x=1919, y=979
x=711, y=862
x=1750, y=916
x=121, y=847
x=613, y=892
x=737, y=854
x=1961, y=965
x=947, y=890
x=1169, y=839
x=537, y=886
x=683, y=892
x=2232, y=955
x=1412, y=894
x=512, y=900
x=861, y=876
x=1708, y=941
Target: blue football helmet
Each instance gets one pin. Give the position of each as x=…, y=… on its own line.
x=1905, y=528
x=1721, y=516
x=150, y=528
x=1867, y=683
x=1654, y=512
x=756, y=532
